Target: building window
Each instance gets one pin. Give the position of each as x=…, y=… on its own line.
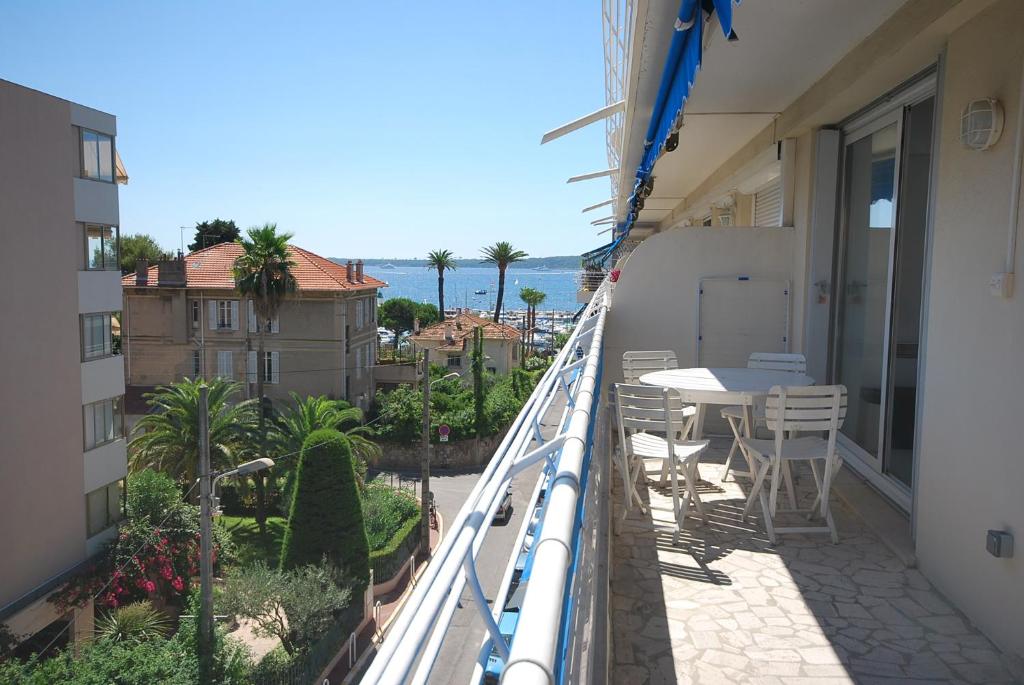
x=223, y=315
x=103, y=507
x=196, y=313
x=492, y=369
x=454, y=361
x=97, y=340
x=197, y=364
x=706, y=221
x=272, y=326
x=359, y=363
x=226, y=364
x=360, y=313
x=97, y=156
x=347, y=346
x=270, y=368
x=104, y=422
x=101, y=248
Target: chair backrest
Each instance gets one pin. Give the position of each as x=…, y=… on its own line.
x=778, y=361
x=649, y=408
x=637, y=363
x=806, y=408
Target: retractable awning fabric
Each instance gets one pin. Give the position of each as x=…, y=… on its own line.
x=677, y=79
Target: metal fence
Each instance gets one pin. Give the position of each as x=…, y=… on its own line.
x=388, y=564
x=306, y=668
x=414, y=640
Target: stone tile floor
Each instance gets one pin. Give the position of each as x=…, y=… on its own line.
x=724, y=606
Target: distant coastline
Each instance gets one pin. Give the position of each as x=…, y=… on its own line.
x=560, y=263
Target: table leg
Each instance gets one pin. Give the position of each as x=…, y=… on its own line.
x=698, y=422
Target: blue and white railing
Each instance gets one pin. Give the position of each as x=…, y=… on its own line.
x=548, y=537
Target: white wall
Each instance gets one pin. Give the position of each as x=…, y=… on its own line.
x=99, y=291
x=102, y=378
x=971, y=464
x=654, y=306
x=96, y=201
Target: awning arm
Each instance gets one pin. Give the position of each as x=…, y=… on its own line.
x=600, y=114
x=593, y=174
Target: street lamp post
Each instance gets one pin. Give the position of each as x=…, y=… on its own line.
x=425, y=456
x=207, y=489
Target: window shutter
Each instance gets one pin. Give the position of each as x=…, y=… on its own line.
x=275, y=367
x=250, y=366
x=275, y=324
x=252, y=316
x=234, y=315
x=359, y=363
x=768, y=205
x=225, y=364
x=213, y=315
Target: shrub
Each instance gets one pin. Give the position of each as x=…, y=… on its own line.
x=385, y=509
x=134, y=622
x=326, y=518
x=296, y=606
x=151, y=495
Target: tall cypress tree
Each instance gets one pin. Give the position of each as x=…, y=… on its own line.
x=477, y=356
x=326, y=517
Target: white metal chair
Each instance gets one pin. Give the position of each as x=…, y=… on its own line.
x=642, y=409
x=772, y=361
x=788, y=410
x=638, y=362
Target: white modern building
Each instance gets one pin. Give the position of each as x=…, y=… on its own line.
x=63, y=453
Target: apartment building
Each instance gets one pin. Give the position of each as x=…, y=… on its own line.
x=184, y=318
x=451, y=343
x=63, y=454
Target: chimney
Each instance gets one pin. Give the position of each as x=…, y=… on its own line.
x=348, y=271
x=416, y=326
x=171, y=272
x=359, y=271
x=141, y=272
x=449, y=335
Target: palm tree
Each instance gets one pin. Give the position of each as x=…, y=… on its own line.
x=263, y=272
x=442, y=260
x=532, y=297
x=167, y=439
x=305, y=415
x=501, y=254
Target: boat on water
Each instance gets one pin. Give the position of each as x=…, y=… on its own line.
x=479, y=292
x=388, y=266
x=541, y=268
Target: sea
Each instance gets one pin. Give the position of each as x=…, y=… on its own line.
x=460, y=286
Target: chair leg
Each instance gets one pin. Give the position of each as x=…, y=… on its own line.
x=774, y=501
x=732, y=450
x=817, y=483
x=675, y=499
x=758, y=487
x=691, y=488
x=787, y=475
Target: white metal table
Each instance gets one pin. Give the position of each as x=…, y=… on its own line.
x=723, y=386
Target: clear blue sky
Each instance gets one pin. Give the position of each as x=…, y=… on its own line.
x=370, y=129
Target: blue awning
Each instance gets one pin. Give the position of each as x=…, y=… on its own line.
x=677, y=78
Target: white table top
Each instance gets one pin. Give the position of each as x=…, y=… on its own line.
x=723, y=385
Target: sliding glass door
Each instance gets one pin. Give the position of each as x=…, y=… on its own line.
x=880, y=270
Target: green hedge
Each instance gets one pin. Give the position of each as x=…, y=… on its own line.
x=387, y=561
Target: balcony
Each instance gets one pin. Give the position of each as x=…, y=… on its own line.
x=725, y=606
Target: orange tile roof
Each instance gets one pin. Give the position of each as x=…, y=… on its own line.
x=211, y=267
x=462, y=325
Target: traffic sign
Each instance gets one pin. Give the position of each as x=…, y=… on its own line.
x=444, y=430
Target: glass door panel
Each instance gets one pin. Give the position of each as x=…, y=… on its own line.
x=863, y=299
x=908, y=283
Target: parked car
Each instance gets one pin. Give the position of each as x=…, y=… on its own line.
x=504, y=512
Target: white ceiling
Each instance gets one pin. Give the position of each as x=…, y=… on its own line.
x=784, y=47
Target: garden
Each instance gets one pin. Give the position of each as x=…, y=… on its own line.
x=293, y=549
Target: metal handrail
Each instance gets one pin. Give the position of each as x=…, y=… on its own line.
x=417, y=634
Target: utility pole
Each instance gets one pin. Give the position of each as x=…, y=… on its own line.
x=425, y=456
x=205, y=536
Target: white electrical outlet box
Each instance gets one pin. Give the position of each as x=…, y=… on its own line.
x=1001, y=285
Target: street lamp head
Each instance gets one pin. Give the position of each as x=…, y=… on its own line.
x=253, y=466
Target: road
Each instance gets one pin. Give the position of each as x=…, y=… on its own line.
x=462, y=643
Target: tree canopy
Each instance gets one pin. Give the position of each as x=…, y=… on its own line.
x=139, y=246
x=399, y=314
x=214, y=232
x=326, y=517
